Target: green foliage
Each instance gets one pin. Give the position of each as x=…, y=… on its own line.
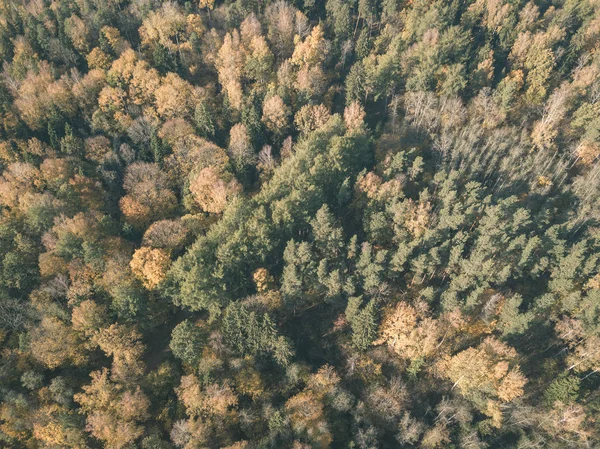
x=32, y=380
x=564, y=389
x=367, y=223
x=187, y=340
x=248, y=333
x=364, y=325
x=203, y=120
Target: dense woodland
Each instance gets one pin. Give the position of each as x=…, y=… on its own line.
x=260, y=224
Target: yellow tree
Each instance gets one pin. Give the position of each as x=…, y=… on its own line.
x=175, y=97
x=172, y=29
x=410, y=332
x=40, y=94
x=230, y=63
x=275, y=115
x=124, y=346
x=213, y=190
x=88, y=318
x=487, y=375
x=307, y=416
x=53, y=428
x=54, y=344
x=114, y=414
x=211, y=406
x=150, y=265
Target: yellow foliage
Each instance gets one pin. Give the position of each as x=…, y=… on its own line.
x=53, y=343
x=50, y=430
x=124, y=346
x=486, y=374
x=263, y=280
x=211, y=191
x=97, y=59
x=113, y=413
x=175, y=97
x=354, y=115
x=230, y=63
x=313, y=50
x=214, y=400
x=249, y=382
x=275, y=114
x=588, y=152
x=39, y=94
x=410, y=333
x=418, y=218
x=150, y=265
x=594, y=283
x=113, y=36
x=88, y=317
x=306, y=415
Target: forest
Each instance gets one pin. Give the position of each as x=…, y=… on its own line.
x=273, y=224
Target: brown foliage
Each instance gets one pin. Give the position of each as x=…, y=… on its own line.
x=148, y=196
x=166, y=234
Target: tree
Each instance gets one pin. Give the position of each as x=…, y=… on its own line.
x=229, y=66
x=240, y=148
x=364, y=326
x=114, y=414
x=275, y=115
x=487, y=375
x=340, y=15
x=175, y=97
x=88, y=318
x=313, y=50
x=411, y=333
x=307, y=417
x=354, y=116
x=213, y=191
x=40, y=97
x=148, y=195
x=247, y=333
x=166, y=234
x=187, y=341
x=54, y=344
x=203, y=120
x=283, y=23
x=150, y=265
x=259, y=61
x=124, y=346
x=310, y=118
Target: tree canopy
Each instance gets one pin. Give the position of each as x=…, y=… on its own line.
x=241, y=224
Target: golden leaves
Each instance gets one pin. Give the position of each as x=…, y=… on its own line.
x=150, y=265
